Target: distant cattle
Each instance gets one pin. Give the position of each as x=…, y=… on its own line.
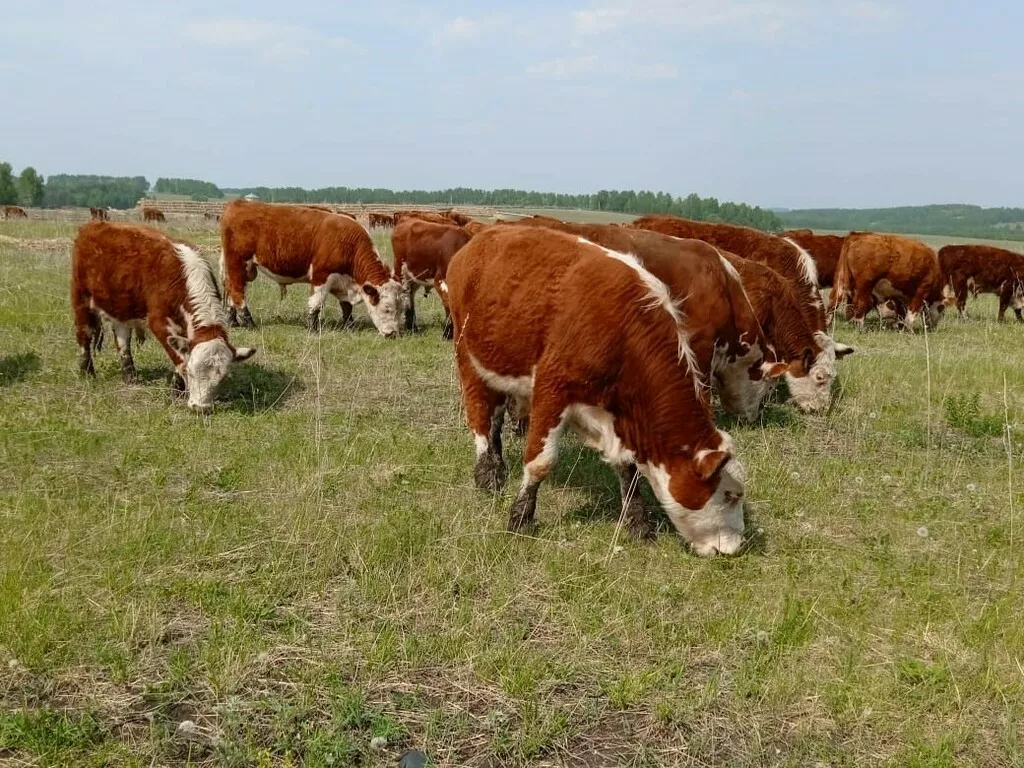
x=984, y=269
x=139, y=279
x=587, y=338
x=98, y=214
x=723, y=334
x=211, y=216
x=290, y=244
x=436, y=218
x=14, y=212
x=875, y=269
x=455, y=217
x=824, y=249
x=422, y=251
x=153, y=214
x=784, y=257
x=381, y=220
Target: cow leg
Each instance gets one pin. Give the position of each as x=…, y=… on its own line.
x=961, y=301
x=447, y=330
x=346, y=314
x=862, y=302
x=546, y=425
x=88, y=331
x=484, y=415
x=123, y=338
x=1005, y=299
x=410, y=307
x=637, y=520
x=159, y=330
x=316, y=302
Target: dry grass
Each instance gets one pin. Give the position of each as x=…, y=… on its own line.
x=311, y=567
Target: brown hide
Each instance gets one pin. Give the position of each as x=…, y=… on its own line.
x=153, y=214
x=422, y=252
x=983, y=269
x=14, y=212
x=824, y=249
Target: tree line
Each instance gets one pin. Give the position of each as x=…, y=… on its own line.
x=194, y=188
x=617, y=201
x=948, y=220
x=25, y=189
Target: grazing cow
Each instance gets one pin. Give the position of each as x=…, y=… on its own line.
x=725, y=338
x=209, y=216
x=436, y=218
x=422, y=252
x=824, y=249
x=784, y=256
x=874, y=269
x=153, y=214
x=138, y=278
x=14, y=212
x=984, y=269
x=290, y=244
x=98, y=214
x=455, y=217
x=809, y=370
x=589, y=339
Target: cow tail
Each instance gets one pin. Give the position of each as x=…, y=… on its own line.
x=840, y=285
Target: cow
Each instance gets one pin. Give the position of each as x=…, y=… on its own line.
x=153, y=214
x=725, y=338
x=824, y=249
x=98, y=214
x=783, y=256
x=589, y=339
x=289, y=244
x=475, y=227
x=422, y=252
x=137, y=278
x=875, y=269
x=984, y=269
x=436, y=218
x=210, y=216
x=14, y=212
x=455, y=217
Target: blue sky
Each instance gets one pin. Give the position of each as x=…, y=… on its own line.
x=798, y=103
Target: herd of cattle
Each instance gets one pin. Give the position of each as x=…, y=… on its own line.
x=620, y=333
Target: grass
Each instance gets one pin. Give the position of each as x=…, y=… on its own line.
x=311, y=567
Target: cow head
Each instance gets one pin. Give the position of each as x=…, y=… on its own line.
x=205, y=365
x=742, y=383
x=703, y=496
x=933, y=313
x=810, y=378
x=385, y=304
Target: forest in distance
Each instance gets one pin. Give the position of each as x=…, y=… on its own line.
x=953, y=220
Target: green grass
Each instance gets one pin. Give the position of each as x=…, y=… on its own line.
x=311, y=567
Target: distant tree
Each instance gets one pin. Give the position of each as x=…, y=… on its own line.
x=31, y=188
x=84, y=191
x=8, y=191
x=186, y=187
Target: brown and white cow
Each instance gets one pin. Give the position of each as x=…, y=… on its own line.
x=824, y=249
x=98, y=214
x=984, y=269
x=593, y=341
x=382, y=220
x=422, y=252
x=875, y=270
x=14, y=212
x=788, y=260
x=137, y=278
x=291, y=244
x=153, y=214
x=724, y=335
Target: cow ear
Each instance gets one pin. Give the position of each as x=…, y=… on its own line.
x=774, y=370
x=371, y=293
x=710, y=462
x=179, y=344
x=244, y=353
x=842, y=350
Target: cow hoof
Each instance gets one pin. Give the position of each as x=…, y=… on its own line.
x=247, y=320
x=232, y=318
x=490, y=473
x=131, y=379
x=521, y=516
x=643, y=532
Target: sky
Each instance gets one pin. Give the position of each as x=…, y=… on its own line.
x=778, y=103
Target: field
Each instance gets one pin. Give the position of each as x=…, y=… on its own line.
x=311, y=567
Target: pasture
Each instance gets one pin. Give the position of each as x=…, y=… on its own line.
x=311, y=567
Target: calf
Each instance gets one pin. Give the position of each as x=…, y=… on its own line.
x=14, y=212
x=422, y=252
x=589, y=339
x=137, y=278
x=291, y=244
x=724, y=335
x=876, y=269
x=984, y=269
x=153, y=214
x=824, y=249
x=98, y=214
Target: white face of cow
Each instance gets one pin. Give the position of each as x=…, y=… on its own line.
x=934, y=312
x=813, y=393
x=385, y=304
x=207, y=366
x=739, y=394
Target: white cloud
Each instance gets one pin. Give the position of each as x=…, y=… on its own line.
x=458, y=30
x=660, y=71
x=763, y=18
x=599, y=20
x=271, y=39
x=870, y=11
x=564, y=68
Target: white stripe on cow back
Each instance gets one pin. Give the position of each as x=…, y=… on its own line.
x=660, y=296
x=201, y=286
x=807, y=263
